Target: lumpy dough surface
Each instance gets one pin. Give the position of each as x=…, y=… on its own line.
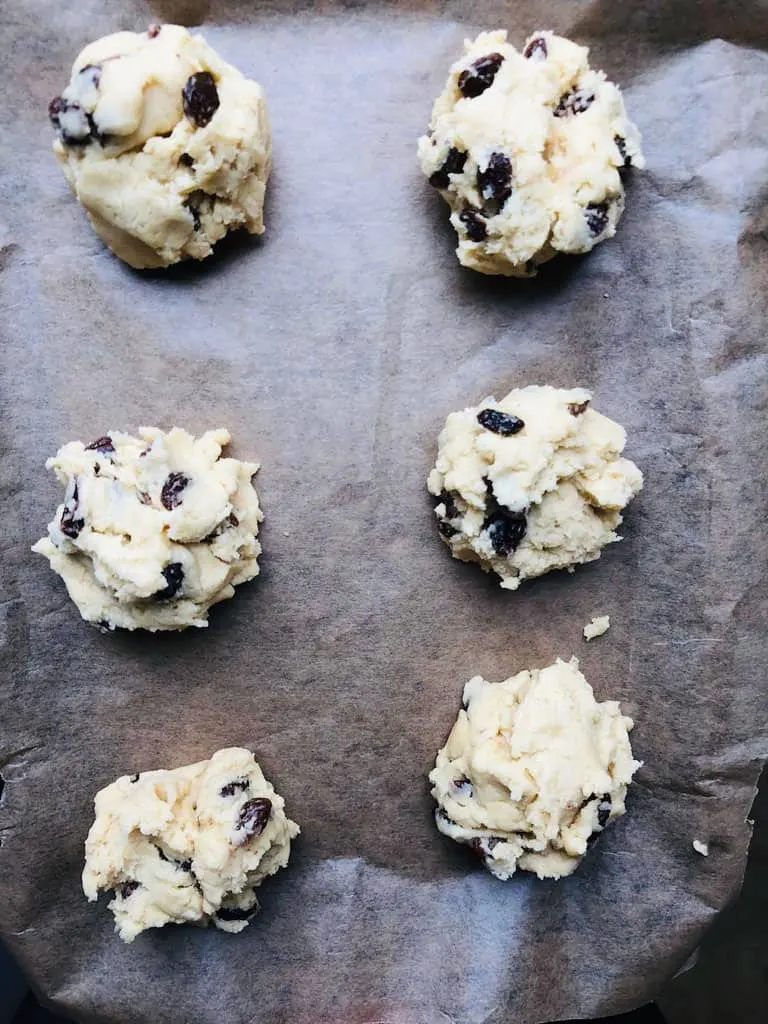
x=532, y=768
x=154, y=529
x=531, y=483
x=187, y=845
x=166, y=145
x=528, y=150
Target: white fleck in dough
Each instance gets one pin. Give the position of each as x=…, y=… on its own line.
x=188, y=844
x=153, y=530
x=160, y=177
x=599, y=624
x=700, y=847
x=540, y=486
x=528, y=149
x=532, y=768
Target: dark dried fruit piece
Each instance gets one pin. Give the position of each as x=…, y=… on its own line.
x=494, y=182
x=56, y=107
x=86, y=129
x=483, y=846
x=103, y=446
x=574, y=102
x=453, y=164
x=604, y=810
x=253, y=817
x=174, y=577
x=536, y=48
x=621, y=145
x=479, y=76
x=505, y=528
x=237, y=913
x=463, y=785
x=185, y=865
x=451, y=512
x=172, y=490
x=578, y=408
x=232, y=787
x=447, y=499
x=505, y=531
x=500, y=422
x=230, y=522
x=475, y=224
x=186, y=160
x=127, y=888
x=200, y=98
x=93, y=71
x=596, y=215
x=69, y=524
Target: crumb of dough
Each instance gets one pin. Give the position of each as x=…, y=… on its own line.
x=597, y=626
x=701, y=847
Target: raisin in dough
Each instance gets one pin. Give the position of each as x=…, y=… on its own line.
x=153, y=530
x=166, y=145
x=531, y=483
x=528, y=150
x=532, y=768
x=189, y=844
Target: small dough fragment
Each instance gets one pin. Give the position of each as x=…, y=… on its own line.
x=188, y=844
x=528, y=150
x=153, y=530
x=597, y=626
x=532, y=768
x=701, y=847
x=166, y=146
x=532, y=483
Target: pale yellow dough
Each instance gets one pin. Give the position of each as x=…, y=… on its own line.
x=157, y=186
x=597, y=626
x=190, y=844
x=548, y=496
x=527, y=149
x=532, y=768
x=153, y=530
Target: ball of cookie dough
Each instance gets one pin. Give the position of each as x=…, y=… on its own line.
x=154, y=529
x=528, y=150
x=532, y=768
x=189, y=844
x=531, y=483
x=166, y=145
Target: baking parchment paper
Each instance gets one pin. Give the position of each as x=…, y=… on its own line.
x=333, y=349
